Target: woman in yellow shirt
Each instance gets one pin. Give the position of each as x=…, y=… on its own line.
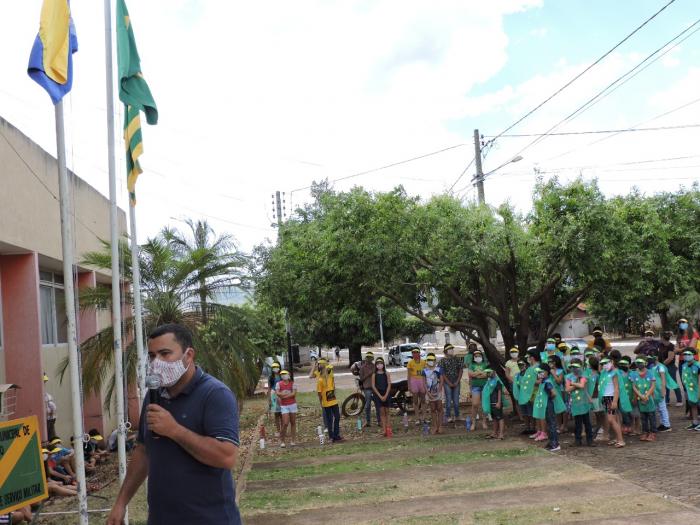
x=325, y=387
x=416, y=384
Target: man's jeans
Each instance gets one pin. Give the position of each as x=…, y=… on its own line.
x=672, y=374
x=368, y=407
x=663, y=413
x=452, y=399
x=331, y=416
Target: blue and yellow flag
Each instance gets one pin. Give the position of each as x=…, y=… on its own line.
x=51, y=59
x=134, y=93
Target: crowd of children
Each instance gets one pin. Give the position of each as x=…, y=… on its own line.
x=602, y=390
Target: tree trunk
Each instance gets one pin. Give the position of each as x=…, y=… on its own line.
x=354, y=352
x=665, y=323
x=203, y=302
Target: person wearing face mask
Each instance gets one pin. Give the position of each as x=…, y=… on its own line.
x=381, y=392
x=416, y=384
x=643, y=384
x=548, y=403
x=663, y=381
x=477, y=380
x=286, y=391
x=512, y=364
x=647, y=344
x=550, y=349
x=364, y=370
x=623, y=366
x=434, y=380
x=273, y=400
x=527, y=392
x=667, y=355
x=599, y=341
x=325, y=388
x=691, y=371
x=580, y=403
x=452, y=369
x=492, y=402
x=687, y=336
x=187, y=444
x=613, y=397
x=517, y=380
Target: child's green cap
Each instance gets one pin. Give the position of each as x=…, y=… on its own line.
x=624, y=359
x=641, y=361
x=551, y=340
x=604, y=360
x=575, y=351
x=688, y=352
x=574, y=365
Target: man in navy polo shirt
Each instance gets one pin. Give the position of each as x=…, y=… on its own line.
x=187, y=443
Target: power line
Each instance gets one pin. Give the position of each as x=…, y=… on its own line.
x=461, y=175
x=657, y=117
x=600, y=131
x=590, y=102
x=393, y=164
x=584, y=71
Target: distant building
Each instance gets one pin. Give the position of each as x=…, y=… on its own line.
x=576, y=323
x=32, y=314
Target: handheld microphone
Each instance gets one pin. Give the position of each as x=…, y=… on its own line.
x=153, y=383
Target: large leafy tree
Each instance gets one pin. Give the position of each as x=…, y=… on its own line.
x=659, y=255
x=175, y=278
x=471, y=268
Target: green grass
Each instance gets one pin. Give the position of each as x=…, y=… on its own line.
x=295, y=499
x=363, y=447
x=361, y=465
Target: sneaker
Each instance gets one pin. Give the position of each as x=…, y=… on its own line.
x=680, y=404
x=535, y=435
x=663, y=428
x=691, y=426
x=282, y=445
x=697, y=428
x=555, y=448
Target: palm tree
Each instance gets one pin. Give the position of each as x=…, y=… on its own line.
x=212, y=262
x=174, y=271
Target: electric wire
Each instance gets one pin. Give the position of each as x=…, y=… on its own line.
x=598, y=96
x=591, y=66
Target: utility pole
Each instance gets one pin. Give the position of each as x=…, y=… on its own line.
x=479, y=171
x=279, y=207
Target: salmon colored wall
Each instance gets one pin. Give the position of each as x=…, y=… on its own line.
x=22, y=335
x=87, y=323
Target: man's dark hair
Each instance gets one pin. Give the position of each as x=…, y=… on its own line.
x=556, y=335
x=534, y=354
x=181, y=333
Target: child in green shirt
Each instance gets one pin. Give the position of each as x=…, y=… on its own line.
x=644, y=384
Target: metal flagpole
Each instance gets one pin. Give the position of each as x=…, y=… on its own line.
x=67, y=244
x=114, y=240
x=138, y=314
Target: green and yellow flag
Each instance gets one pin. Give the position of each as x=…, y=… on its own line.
x=134, y=93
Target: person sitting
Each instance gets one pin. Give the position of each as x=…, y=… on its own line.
x=98, y=445
x=23, y=515
x=55, y=471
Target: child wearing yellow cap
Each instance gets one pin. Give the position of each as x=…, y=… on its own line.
x=434, y=381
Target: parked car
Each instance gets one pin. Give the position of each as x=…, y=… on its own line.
x=400, y=355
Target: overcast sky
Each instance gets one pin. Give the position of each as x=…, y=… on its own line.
x=262, y=96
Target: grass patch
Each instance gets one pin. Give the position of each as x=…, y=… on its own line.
x=376, y=492
x=572, y=510
x=362, y=447
x=361, y=465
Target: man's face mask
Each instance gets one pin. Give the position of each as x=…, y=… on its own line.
x=478, y=359
x=683, y=326
x=170, y=372
x=551, y=347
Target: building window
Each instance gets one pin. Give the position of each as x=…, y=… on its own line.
x=53, y=309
